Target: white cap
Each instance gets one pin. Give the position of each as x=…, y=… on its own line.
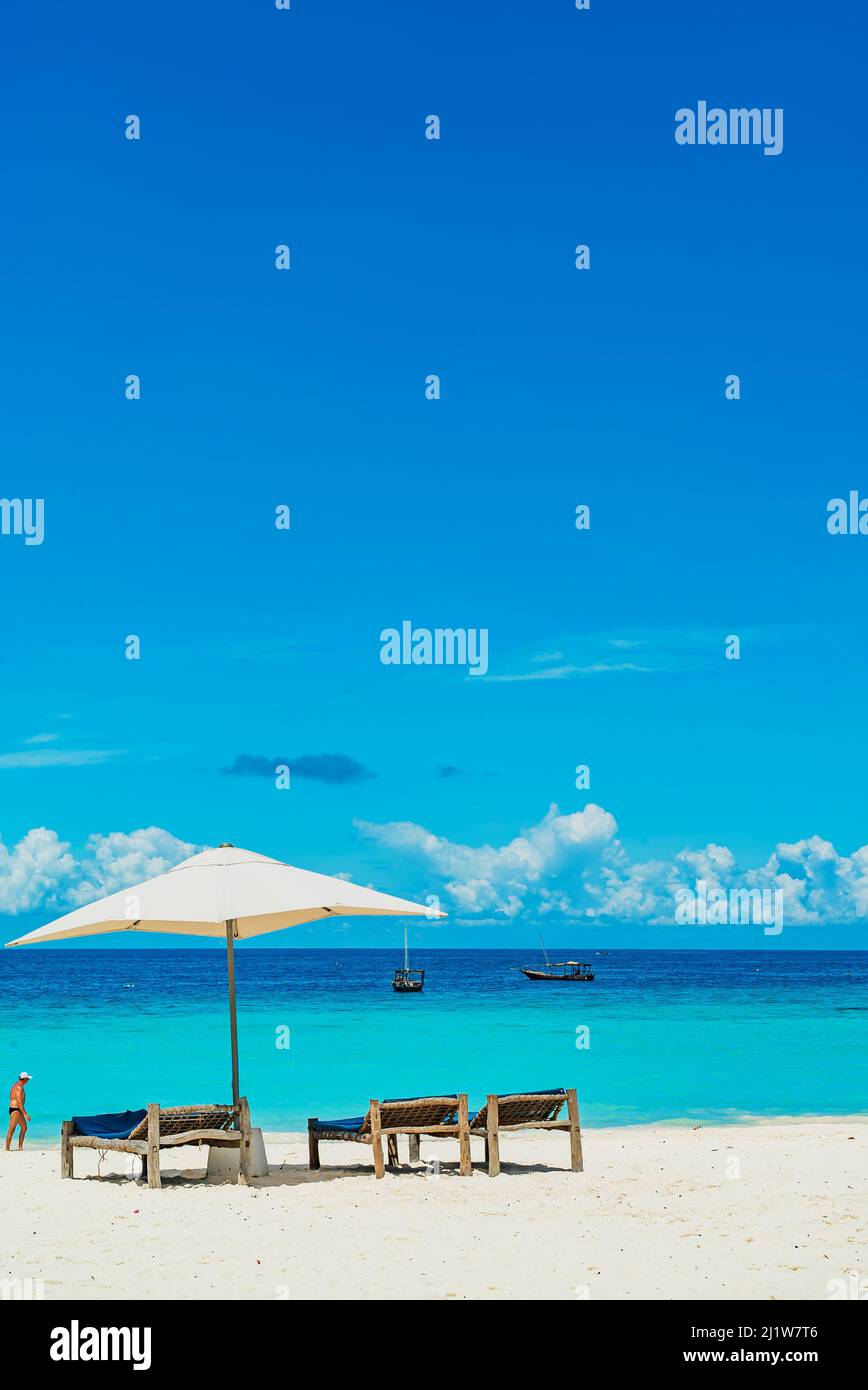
x=24, y=1076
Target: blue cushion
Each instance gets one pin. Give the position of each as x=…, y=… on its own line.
x=119, y=1126
x=355, y=1122
x=554, y=1091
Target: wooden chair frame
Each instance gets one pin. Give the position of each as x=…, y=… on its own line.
x=521, y=1110
x=168, y=1128
x=389, y=1119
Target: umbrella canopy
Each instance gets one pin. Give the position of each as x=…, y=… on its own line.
x=226, y=893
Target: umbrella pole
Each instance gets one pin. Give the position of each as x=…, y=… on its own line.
x=233, y=1023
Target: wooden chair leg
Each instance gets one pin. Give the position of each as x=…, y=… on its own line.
x=576, y=1162
x=377, y=1140
x=245, y=1157
x=153, y=1145
x=392, y=1150
x=491, y=1126
x=414, y=1147
x=66, y=1149
x=465, y=1166
x=312, y=1145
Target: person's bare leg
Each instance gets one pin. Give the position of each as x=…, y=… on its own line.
x=22, y=1130
x=13, y=1125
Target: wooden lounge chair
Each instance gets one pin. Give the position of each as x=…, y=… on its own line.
x=438, y=1115
x=530, y=1110
x=165, y=1129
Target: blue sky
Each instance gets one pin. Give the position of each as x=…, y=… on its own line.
x=604, y=387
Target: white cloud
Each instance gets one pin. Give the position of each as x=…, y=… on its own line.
x=575, y=867
x=34, y=871
x=548, y=673
x=40, y=871
x=58, y=757
x=580, y=655
x=561, y=673
x=504, y=878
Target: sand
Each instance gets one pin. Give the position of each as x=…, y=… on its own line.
x=758, y=1211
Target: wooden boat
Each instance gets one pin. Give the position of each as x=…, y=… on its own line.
x=407, y=981
x=559, y=970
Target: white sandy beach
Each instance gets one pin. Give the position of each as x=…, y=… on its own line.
x=658, y=1213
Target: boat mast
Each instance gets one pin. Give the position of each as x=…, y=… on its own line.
x=406, y=955
x=544, y=951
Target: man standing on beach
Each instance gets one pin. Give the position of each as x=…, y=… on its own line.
x=18, y=1116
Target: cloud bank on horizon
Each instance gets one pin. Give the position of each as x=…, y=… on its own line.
x=568, y=866
x=574, y=867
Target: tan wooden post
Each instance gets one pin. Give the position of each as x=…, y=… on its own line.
x=392, y=1149
x=312, y=1145
x=576, y=1162
x=414, y=1147
x=231, y=927
x=153, y=1145
x=465, y=1166
x=377, y=1140
x=245, y=1156
x=492, y=1117
x=66, y=1149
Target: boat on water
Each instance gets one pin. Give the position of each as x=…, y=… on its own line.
x=407, y=981
x=573, y=970
x=560, y=970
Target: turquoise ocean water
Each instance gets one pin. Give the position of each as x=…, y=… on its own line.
x=695, y=1035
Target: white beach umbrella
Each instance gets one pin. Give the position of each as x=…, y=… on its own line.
x=225, y=893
